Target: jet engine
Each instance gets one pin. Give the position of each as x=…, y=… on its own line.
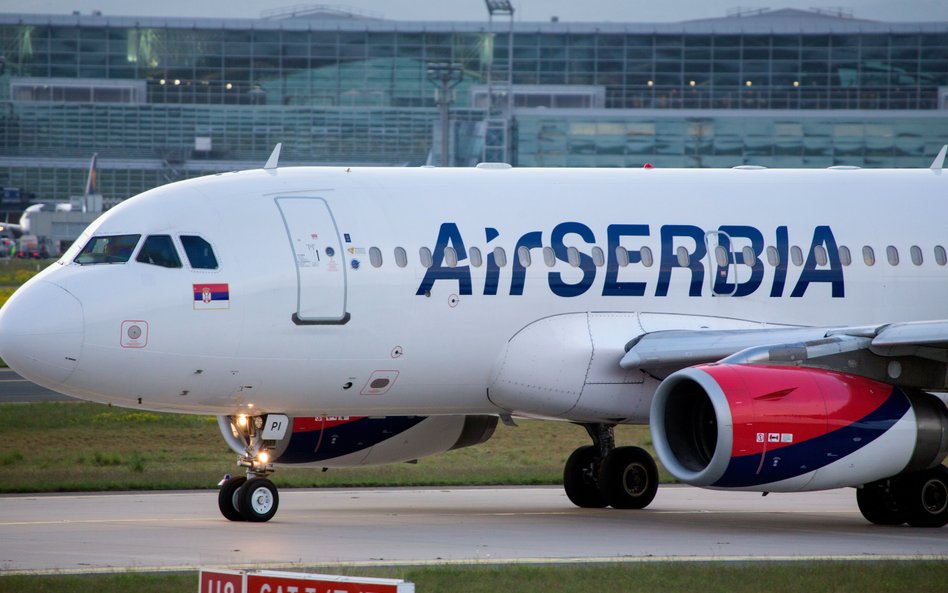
x=343, y=441
x=784, y=429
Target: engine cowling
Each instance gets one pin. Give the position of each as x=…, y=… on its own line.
x=349, y=441
x=785, y=429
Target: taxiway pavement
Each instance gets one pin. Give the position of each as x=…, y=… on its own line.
x=16, y=389
x=338, y=527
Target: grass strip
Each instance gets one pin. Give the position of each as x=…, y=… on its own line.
x=720, y=577
x=62, y=447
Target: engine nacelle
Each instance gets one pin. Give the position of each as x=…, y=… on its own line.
x=345, y=441
x=785, y=429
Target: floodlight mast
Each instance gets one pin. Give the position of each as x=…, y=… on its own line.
x=499, y=102
x=448, y=76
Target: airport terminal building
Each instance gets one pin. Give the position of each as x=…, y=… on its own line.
x=161, y=99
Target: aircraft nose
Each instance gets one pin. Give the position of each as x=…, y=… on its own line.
x=41, y=333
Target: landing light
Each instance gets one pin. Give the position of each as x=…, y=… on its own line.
x=242, y=421
x=263, y=457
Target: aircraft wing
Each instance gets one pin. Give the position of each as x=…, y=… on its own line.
x=914, y=354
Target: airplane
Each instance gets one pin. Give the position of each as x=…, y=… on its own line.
x=778, y=330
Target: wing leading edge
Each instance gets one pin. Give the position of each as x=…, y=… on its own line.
x=912, y=354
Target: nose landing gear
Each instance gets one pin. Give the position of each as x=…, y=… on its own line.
x=253, y=498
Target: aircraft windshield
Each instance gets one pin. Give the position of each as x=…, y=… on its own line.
x=159, y=250
x=113, y=249
x=200, y=253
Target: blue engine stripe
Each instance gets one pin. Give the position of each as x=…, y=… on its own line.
x=800, y=458
x=344, y=439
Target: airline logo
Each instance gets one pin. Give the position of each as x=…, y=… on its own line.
x=211, y=296
x=743, y=246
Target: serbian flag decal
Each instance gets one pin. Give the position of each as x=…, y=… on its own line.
x=211, y=296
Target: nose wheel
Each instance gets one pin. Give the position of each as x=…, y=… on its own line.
x=227, y=499
x=255, y=500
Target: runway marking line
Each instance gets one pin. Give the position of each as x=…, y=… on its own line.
x=438, y=514
x=92, y=521
x=482, y=562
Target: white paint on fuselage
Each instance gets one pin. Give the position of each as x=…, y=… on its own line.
x=252, y=354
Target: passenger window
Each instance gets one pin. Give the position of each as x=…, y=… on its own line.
x=892, y=254
x=401, y=258
x=500, y=257
x=682, y=254
x=450, y=257
x=474, y=254
x=720, y=254
x=941, y=258
x=845, y=257
x=111, y=249
x=773, y=258
x=549, y=257
x=796, y=255
x=622, y=256
x=158, y=250
x=916, y=253
x=749, y=255
x=523, y=254
x=599, y=259
x=572, y=256
x=820, y=252
x=375, y=257
x=647, y=259
x=868, y=256
x=425, y=254
x=200, y=253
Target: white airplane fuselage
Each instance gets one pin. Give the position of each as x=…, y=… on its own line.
x=439, y=342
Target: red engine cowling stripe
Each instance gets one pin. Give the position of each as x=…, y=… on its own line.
x=774, y=407
x=797, y=459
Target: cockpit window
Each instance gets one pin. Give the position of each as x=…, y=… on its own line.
x=158, y=250
x=111, y=249
x=200, y=253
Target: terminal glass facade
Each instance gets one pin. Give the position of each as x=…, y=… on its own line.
x=163, y=99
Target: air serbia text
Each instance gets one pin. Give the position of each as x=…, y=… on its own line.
x=687, y=250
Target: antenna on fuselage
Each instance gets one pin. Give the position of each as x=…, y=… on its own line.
x=274, y=159
x=939, y=163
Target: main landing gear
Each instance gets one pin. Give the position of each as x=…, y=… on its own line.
x=919, y=499
x=254, y=498
x=602, y=474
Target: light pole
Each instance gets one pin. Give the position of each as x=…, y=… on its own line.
x=448, y=76
x=502, y=8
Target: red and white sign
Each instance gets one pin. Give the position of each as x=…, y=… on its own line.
x=221, y=581
x=268, y=581
x=289, y=582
